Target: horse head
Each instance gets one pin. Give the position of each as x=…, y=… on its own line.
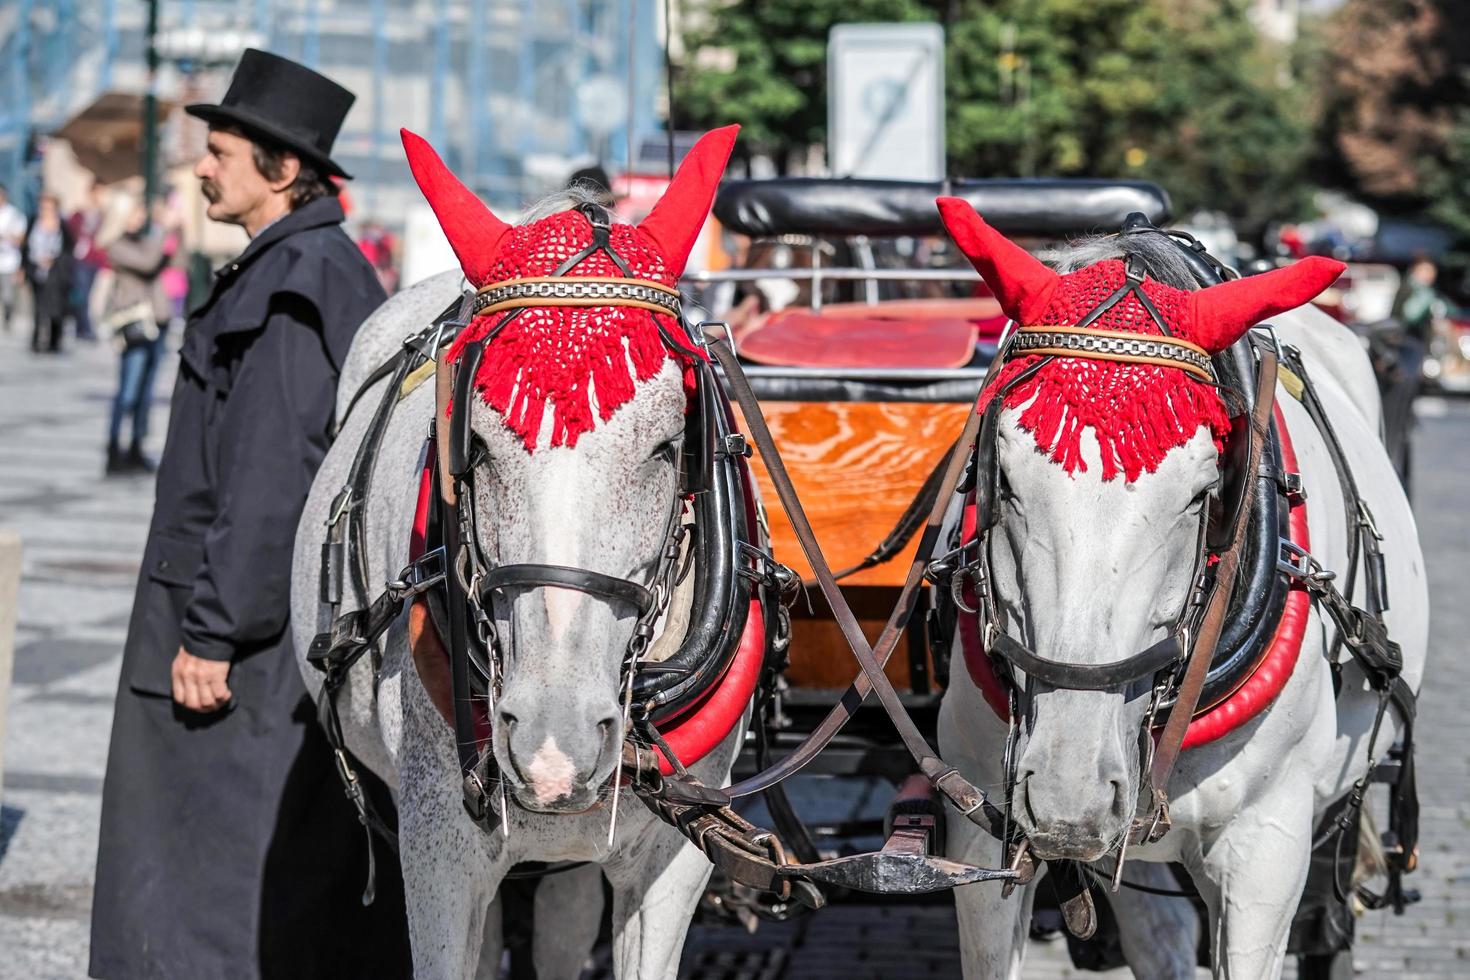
x=577, y=415
x=1105, y=471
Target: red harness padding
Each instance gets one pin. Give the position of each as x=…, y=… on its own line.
x=692, y=735
x=1254, y=694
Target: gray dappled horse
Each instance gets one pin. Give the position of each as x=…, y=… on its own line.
x=578, y=470
x=1093, y=558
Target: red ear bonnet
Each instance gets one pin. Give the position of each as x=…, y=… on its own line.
x=1136, y=412
x=1221, y=315
x=1021, y=283
x=472, y=229
x=675, y=221
x=554, y=372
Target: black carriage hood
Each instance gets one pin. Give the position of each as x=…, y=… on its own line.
x=841, y=207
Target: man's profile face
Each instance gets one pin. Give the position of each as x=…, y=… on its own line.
x=229, y=178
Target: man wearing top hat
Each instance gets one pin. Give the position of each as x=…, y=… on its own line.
x=227, y=848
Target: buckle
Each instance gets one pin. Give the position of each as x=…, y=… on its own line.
x=419, y=576
x=1290, y=486
x=1298, y=563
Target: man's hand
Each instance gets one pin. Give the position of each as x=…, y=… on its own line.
x=199, y=684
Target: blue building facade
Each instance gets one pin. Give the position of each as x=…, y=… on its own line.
x=511, y=91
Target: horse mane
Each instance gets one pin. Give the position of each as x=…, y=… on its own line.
x=1157, y=252
x=569, y=198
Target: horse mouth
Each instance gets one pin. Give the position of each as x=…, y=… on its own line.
x=1068, y=845
x=580, y=801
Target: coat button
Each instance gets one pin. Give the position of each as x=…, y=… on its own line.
x=163, y=565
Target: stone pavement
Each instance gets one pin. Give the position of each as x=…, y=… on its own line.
x=82, y=538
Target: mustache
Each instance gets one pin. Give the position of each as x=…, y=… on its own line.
x=210, y=190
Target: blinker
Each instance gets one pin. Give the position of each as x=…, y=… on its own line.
x=460, y=434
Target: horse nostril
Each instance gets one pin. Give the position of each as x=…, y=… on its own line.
x=1120, y=796
x=507, y=720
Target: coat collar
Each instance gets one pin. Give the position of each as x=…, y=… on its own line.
x=320, y=213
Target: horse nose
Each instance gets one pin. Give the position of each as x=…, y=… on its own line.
x=555, y=758
x=1072, y=817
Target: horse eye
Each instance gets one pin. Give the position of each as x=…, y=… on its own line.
x=667, y=449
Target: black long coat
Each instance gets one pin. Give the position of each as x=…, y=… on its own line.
x=227, y=848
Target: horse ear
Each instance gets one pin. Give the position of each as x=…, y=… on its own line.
x=472, y=229
x=1020, y=281
x=1220, y=315
x=675, y=220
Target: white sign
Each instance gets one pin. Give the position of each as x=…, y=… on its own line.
x=885, y=101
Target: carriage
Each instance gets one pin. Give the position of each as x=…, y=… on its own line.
x=866, y=339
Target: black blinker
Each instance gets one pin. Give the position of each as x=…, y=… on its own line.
x=460, y=433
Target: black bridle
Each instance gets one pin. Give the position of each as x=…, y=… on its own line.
x=475, y=580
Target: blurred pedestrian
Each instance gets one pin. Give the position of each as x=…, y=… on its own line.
x=84, y=224
x=380, y=248
x=227, y=846
x=48, y=264
x=12, y=240
x=1417, y=303
x=136, y=316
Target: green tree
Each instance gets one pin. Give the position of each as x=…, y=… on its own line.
x=1179, y=91
x=1394, y=106
x=763, y=64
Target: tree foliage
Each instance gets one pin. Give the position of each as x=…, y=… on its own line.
x=1394, y=112
x=763, y=64
x=1179, y=91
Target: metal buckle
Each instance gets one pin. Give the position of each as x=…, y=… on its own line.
x=341, y=504
x=1365, y=519
x=419, y=576
x=1298, y=563
x=1292, y=488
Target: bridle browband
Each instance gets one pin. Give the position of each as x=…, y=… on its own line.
x=1117, y=346
x=515, y=294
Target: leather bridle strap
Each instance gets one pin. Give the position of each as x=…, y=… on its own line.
x=966, y=797
x=1166, y=753
x=1086, y=677
x=532, y=576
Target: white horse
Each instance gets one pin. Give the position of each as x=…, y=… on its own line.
x=601, y=504
x=1091, y=570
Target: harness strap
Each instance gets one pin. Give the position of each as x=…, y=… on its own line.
x=1089, y=677
x=966, y=797
x=530, y=576
x=1202, y=651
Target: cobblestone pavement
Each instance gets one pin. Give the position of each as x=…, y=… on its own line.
x=82, y=538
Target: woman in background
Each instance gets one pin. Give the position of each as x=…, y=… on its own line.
x=48, y=262
x=136, y=314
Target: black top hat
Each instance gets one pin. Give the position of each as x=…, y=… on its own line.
x=285, y=103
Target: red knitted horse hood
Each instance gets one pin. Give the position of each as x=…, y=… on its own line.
x=569, y=366
x=1138, y=412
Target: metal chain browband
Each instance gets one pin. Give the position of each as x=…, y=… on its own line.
x=576, y=291
x=1113, y=345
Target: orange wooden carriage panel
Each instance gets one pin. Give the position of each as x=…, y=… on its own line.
x=855, y=466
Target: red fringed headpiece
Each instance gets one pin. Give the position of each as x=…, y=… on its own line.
x=580, y=364
x=1138, y=413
